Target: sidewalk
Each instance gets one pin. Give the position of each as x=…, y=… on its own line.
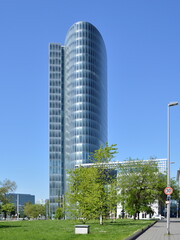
x=159, y=231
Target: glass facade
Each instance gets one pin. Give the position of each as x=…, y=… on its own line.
x=78, y=103
x=56, y=124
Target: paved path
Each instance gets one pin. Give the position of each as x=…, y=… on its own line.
x=159, y=231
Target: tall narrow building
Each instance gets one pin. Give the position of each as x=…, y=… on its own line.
x=77, y=103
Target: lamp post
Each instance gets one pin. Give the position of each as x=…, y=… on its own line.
x=168, y=172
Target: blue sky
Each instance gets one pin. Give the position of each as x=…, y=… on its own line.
x=143, y=47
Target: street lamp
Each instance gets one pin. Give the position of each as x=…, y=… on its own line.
x=168, y=172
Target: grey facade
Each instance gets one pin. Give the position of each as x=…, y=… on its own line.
x=19, y=200
x=77, y=103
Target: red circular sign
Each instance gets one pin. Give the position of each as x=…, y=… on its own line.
x=168, y=190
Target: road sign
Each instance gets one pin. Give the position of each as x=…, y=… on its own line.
x=168, y=190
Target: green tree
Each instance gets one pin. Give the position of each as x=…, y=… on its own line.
x=83, y=197
x=8, y=208
x=162, y=184
x=106, y=179
x=34, y=210
x=6, y=186
x=91, y=188
x=138, y=181
x=59, y=213
x=104, y=154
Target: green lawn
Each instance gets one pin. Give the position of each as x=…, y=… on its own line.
x=64, y=230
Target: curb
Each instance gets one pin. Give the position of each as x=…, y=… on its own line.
x=138, y=233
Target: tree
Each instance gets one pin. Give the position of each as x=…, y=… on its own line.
x=83, y=197
x=59, y=213
x=90, y=187
x=106, y=178
x=138, y=181
x=5, y=187
x=34, y=210
x=104, y=154
x=8, y=208
x=162, y=184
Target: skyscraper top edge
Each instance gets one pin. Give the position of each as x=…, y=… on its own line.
x=87, y=27
x=85, y=23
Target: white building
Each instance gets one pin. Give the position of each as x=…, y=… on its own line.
x=162, y=165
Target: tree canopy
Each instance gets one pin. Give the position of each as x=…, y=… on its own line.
x=90, y=188
x=6, y=186
x=34, y=210
x=141, y=185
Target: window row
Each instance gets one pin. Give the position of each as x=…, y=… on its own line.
x=55, y=90
x=87, y=58
x=56, y=105
x=87, y=50
x=55, y=170
x=85, y=115
x=55, y=46
x=55, y=61
x=56, y=75
x=85, y=106
x=56, y=98
x=87, y=35
x=55, y=184
x=55, y=119
x=56, y=163
x=55, y=82
x=54, y=192
x=84, y=139
x=85, y=82
x=55, y=178
x=85, y=98
x=84, y=147
x=57, y=112
x=84, y=90
x=85, y=131
x=55, y=54
x=55, y=148
x=55, y=68
x=83, y=66
x=55, y=134
x=56, y=156
x=84, y=156
x=56, y=127
x=88, y=76
x=86, y=26
x=55, y=141
x=85, y=123
x=84, y=43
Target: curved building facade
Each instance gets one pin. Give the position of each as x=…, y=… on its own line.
x=81, y=103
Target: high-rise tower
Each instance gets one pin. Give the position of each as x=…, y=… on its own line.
x=77, y=103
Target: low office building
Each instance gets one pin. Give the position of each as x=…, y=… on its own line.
x=19, y=200
x=162, y=166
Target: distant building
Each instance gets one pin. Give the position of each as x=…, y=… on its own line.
x=161, y=163
x=19, y=200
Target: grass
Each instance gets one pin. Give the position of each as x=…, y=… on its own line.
x=64, y=230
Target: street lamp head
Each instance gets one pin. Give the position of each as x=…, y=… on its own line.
x=172, y=104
